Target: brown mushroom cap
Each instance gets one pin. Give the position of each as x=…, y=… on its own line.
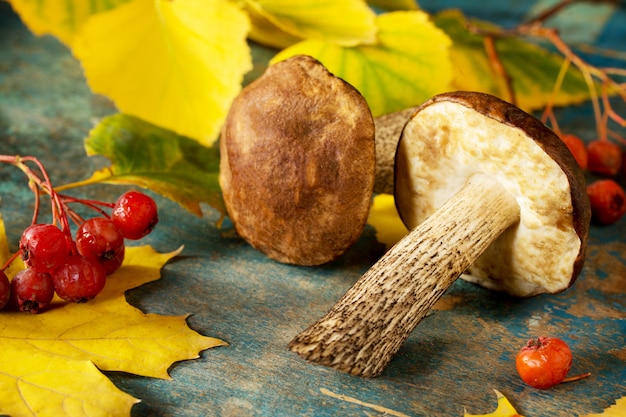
x=297, y=163
x=456, y=135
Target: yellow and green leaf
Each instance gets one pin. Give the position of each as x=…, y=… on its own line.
x=155, y=158
x=394, y=4
x=280, y=23
x=408, y=64
x=533, y=69
x=60, y=18
x=177, y=64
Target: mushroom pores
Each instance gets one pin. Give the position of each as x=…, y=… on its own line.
x=456, y=135
x=297, y=163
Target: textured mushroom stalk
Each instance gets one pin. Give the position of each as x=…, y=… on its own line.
x=367, y=326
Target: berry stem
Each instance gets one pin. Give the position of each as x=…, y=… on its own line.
x=10, y=261
x=596, y=78
x=576, y=377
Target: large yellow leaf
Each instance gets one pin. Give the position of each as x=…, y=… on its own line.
x=49, y=357
x=61, y=18
x=409, y=63
x=279, y=23
x=177, y=64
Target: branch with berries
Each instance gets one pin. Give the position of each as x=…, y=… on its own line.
x=602, y=156
x=57, y=261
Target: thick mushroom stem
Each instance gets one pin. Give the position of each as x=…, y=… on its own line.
x=367, y=326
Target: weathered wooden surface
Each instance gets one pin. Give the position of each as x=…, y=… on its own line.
x=454, y=359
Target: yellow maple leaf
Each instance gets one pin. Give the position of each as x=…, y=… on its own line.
x=177, y=64
x=49, y=358
x=504, y=409
x=35, y=383
x=616, y=410
x=62, y=19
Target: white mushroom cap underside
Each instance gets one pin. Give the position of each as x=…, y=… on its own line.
x=443, y=146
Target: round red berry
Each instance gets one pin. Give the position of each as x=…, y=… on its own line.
x=5, y=289
x=544, y=362
x=79, y=279
x=604, y=157
x=44, y=247
x=577, y=148
x=32, y=290
x=608, y=201
x=101, y=241
x=135, y=214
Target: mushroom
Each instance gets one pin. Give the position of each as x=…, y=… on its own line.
x=297, y=163
x=490, y=194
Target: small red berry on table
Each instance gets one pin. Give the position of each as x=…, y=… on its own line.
x=101, y=241
x=32, y=290
x=135, y=214
x=608, y=201
x=577, y=148
x=544, y=362
x=79, y=279
x=604, y=157
x=44, y=247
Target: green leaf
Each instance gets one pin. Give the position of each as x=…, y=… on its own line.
x=408, y=64
x=155, y=158
x=533, y=69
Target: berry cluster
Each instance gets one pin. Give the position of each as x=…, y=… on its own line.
x=74, y=266
x=606, y=160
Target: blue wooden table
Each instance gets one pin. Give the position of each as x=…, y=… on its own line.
x=454, y=359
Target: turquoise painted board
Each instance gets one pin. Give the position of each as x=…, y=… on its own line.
x=455, y=358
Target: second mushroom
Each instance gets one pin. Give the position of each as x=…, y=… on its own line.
x=488, y=192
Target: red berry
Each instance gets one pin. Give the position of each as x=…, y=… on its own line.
x=577, y=148
x=608, y=201
x=101, y=241
x=79, y=279
x=605, y=158
x=5, y=289
x=44, y=247
x=32, y=290
x=544, y=362
x=135, y=214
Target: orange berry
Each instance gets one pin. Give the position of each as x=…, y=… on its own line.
x=577, y=147
x=605, y=158
x=608, y=201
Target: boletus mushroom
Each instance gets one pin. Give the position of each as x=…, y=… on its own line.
x=297, y=163
x=489, y=193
